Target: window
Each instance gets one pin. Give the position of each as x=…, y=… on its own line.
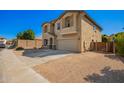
x=52, y=27
x=68, y=21
x=45, y=29
x=94, y=27
x=58, y=26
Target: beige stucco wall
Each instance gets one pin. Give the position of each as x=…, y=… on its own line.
x=88, y=34
x=62, y=31
x=46, y=35
x=98, y=36
x=68, y=38
x=30, y=44
x=73, y=38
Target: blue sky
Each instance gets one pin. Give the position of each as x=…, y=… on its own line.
x=12, y=22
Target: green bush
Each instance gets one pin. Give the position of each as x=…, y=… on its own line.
x=27, y=35
x=104, y=38
x=120, y=45
x=19, y=48
x=12, y=47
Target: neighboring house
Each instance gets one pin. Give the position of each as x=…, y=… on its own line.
x=73, y=30
x=10, y=43
x=2, y=42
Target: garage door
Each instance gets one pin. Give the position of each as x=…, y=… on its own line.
x=68, y=44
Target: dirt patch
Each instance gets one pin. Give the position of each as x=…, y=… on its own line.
x=75, y=68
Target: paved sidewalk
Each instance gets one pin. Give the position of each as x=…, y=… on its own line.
x=15, y=71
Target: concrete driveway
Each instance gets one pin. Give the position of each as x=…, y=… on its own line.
x=35, y=57
x=18, y=68
x=13, y=70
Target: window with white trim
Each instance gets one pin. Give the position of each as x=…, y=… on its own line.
x=58, y=26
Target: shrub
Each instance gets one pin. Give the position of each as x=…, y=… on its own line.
x=104, y=38
x=13, y=46
x=19, y=48
x=120, y=46
x=35, y=48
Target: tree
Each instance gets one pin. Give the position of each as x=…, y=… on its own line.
x=104, y=38
x=119, y=40
x=27, y=35
x=120, y=34
x=19, y=35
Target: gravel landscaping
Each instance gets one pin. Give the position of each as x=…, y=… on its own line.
x=86, y=67
x=67, y=67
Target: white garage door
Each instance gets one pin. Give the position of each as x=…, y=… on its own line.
x=68, y=44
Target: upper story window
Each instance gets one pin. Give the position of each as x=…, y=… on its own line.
x=58, y=26
x=52, y=27
x=68, y=21
x=45, y=29
x=94, y=28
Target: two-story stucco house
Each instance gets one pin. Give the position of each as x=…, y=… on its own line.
x=73, y=30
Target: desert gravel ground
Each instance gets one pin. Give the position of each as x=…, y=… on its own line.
x=86, y=67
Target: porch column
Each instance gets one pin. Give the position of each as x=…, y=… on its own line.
x=75, y=21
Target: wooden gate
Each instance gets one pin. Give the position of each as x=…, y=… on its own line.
x=102, y=46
